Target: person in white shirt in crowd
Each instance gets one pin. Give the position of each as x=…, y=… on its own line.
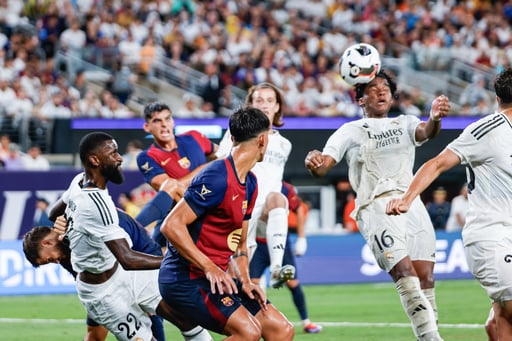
x=90, y=105
x=7, y=94
x=54, y=107
x=129, y=49
x=192, y=109
x=115, y=109
x=33, y=160
x=458, y=211
x=72, y=41
x=20, y=109
x=14, y=161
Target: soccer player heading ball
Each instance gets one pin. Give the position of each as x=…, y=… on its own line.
x=359, y=64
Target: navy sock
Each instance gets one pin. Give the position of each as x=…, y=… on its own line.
x=157, y=327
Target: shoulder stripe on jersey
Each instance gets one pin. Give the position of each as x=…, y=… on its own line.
x=106, y=215
x=481, y=130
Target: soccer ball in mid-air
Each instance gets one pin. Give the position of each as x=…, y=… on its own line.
x=359, y=64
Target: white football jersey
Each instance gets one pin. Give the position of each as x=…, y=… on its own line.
x=92, y=221
x=269, y=172
x=379, y=152
x=485, y=148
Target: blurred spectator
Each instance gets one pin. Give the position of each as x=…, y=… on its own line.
x=133, y=148
x=458, y=210
x=121, y=84
x=5, y=140
x=349, y=223
x=149, y=53
x=20, y=109
x=90, y=105
x=33, y=160
x=191, y=108
x=41, y=213
x=475, y=92
x=54, y=107
x=439, y=209
x=72, y=41
x=113, y=108
x=212, y=87
x=129, y=49
x=80, y=83
x=14, y=161
x=407, y=106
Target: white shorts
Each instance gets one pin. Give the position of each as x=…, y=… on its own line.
x=392, y=238
x=122, y=303
x=257, y=211
x=490, y=263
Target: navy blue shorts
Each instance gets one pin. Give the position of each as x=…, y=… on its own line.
x=261, y=259
x=194, y=300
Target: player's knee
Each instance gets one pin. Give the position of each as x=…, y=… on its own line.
x=426, y=280
x=251, y=333
x=287, y=331
x=403, y=268
x=276, y=200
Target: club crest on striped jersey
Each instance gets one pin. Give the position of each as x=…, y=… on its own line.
x=184, y=162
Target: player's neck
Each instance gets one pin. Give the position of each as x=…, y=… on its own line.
x=506, y=111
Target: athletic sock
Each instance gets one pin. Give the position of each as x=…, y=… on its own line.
x=416, y=306
x=300, y=302
x=156, y=209
x=277, y=229
x=198, y=333
x=157, y=327
x=430, y=294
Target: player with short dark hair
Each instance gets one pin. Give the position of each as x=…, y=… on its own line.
x=484, y=148
x=171, y=157
x=114, y=296
x=380, y=152
x=207, y=229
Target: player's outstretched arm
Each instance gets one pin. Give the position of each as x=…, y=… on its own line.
x=429, y=129
x=130, y=259
x=318, y=164
x=422, y=179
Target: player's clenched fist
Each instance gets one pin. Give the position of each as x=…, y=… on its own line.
x=314, y=159
x=396, y=207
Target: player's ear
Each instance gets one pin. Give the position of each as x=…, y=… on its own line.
x=262, y=140
x=93, y=160
x=361, y=101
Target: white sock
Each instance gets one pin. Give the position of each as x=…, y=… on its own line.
x=263, y=282
x=430, y=294
x=198, y=333
x=277, y=230
x=416, y=306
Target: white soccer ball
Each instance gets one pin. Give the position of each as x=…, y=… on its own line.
x=359, y=64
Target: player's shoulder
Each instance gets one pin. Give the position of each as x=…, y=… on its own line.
x=484, y=125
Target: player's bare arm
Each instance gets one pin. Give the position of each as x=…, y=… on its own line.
x=422, y=179
x=213, y=155
x=174, y=228
x=318, y=164
x=430, y=128
x=240, y=266
x=132, y=260
x=57, y=209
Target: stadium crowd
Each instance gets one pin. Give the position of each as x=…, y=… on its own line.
x=293, y=44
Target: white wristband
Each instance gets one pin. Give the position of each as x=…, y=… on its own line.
x=433, y=118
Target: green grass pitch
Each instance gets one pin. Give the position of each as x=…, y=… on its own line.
x=347, y=312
